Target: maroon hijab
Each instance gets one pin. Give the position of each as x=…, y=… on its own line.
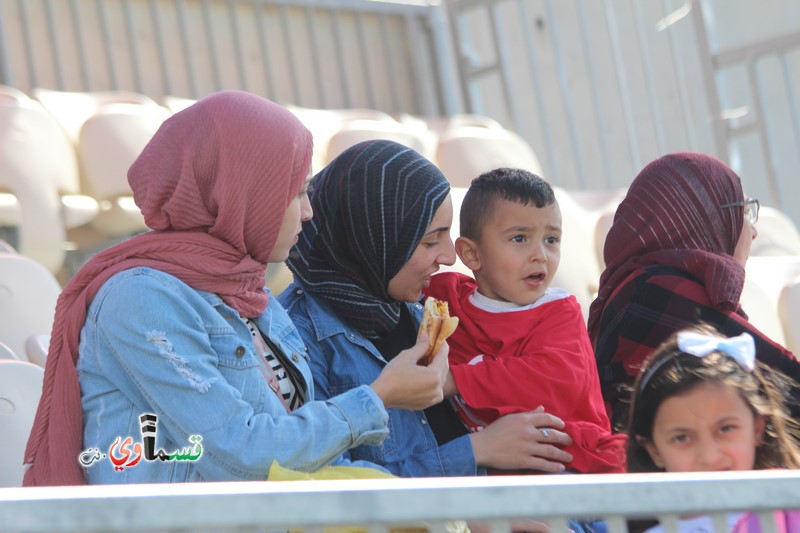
x=213, y=184
x=672, y=216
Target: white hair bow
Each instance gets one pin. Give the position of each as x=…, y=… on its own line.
x=742, y=348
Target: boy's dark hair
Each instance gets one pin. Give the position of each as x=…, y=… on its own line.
x=669, y=372
x=513, y=184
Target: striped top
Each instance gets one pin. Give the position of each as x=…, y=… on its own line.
x=275, y=372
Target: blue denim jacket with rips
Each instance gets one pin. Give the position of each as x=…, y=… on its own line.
x=342, y=360
x=152, y=344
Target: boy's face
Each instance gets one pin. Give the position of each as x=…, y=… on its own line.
x=707, y=429
x=518, y=252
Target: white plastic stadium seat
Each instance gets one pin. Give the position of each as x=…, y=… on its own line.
x=762, y=310
x=72, y=109
x=324, y=123
x=20, y=389
x=7, y=353
x=39, y=168
x=110, y=140
x=578, y=271
x=774, y=275
x=28, y=295
x=353, y=132
x=777, y=234
x=36, y=349
x=457, y=194
x=464, y=153
x=789, y=312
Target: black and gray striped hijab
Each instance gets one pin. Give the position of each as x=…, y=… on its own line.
x=372, y=206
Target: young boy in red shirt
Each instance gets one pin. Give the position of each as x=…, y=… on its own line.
x=521, y=344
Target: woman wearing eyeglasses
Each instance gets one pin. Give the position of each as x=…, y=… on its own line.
x=674, y=257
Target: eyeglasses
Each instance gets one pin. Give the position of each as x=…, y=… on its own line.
x=751, y=207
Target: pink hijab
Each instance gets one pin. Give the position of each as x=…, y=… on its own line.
x=672, y=216
x=213, y=184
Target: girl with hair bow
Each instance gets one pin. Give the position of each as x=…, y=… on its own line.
x=703, y=403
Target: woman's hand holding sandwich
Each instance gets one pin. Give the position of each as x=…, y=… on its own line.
x=405, y=384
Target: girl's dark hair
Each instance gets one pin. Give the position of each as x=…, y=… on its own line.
x=670, y=372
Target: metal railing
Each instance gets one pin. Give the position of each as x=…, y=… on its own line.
x=380, y=505
x=316, y=53
x=599, y=89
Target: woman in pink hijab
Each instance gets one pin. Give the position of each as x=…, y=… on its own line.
x=169, y=359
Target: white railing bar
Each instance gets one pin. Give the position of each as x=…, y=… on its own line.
x=388, y=58
x=236, y=35
x=720, y=522
x=52, y=34
x=25, y=25
x=504, y=67
x=102, y=15
x=413, y=29
x=315, y=52
x=566, y=94
x=486, y=499
x=536, y=78
x=616, y=523
x=464, y=5
x=622, y=83
x=187, y=49
x=158, y=29
x=683, y=89
x=133, y=48
x=647, y=70
x=780, y=43
x=269, y=74
x=75, y=15
x=208, y=22
x=596, y=105
x=347, y=88
x=744, y=129
x=472, y=95
x=763, y=126
x=790, y=92
x=5, y=61
x=434, y=24
x=363, y=46
x=283, y=10
x=486, y=69
x=365, y=6
x=720, y=127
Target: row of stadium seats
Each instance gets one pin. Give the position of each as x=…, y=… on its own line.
x=64, y=160
x=65, y=155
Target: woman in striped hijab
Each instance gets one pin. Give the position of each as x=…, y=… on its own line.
x=674, y=257
x=381, y=229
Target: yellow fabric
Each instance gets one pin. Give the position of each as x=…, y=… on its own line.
x=280, y=473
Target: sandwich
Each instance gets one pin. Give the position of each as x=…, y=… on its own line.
x=438, y=324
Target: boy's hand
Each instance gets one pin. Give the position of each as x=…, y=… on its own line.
x=404, y=384
x=517, y=441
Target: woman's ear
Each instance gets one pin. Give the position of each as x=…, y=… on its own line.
x=652, y=451
x=467, y=251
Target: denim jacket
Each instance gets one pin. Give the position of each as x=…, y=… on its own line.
x=343, y=360
x=152, y=344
